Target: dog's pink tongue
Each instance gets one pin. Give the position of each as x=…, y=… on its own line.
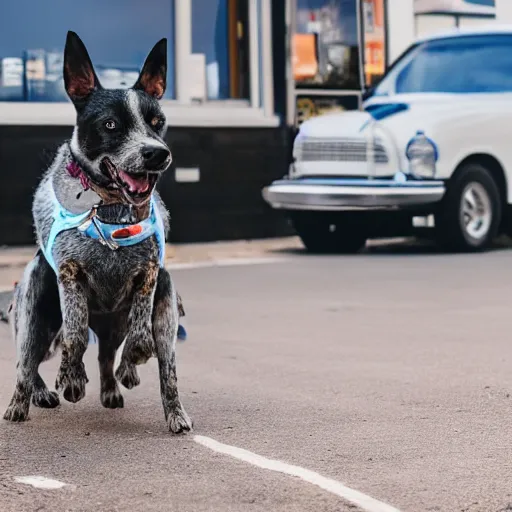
x=138, y=185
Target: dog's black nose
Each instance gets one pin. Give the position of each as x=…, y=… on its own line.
x=154, y=157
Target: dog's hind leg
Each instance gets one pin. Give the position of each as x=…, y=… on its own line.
x=111, y=330
x=127, y=372
x=37, y=320
x=139, y=345
x=165, y=329
x=42, y=396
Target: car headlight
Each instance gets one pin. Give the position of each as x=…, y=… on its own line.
x=422, y=155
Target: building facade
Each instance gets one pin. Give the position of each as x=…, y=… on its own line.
x=224, y=129
x=242, y=75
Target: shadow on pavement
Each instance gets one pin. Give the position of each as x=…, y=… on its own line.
x=401, y=247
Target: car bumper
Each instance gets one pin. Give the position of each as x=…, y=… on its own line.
x=344, y=194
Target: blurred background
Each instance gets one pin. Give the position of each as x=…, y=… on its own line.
x=243, y=74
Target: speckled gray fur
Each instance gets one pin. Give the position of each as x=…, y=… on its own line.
x=123, y=294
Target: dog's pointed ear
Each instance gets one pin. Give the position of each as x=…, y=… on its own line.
x=79, y=76
x=153, y=77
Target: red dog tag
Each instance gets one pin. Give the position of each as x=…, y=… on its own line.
x=136, y=229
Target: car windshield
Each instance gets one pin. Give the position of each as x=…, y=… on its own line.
x=465, y=64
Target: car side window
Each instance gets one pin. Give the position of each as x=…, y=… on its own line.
x=472, y=64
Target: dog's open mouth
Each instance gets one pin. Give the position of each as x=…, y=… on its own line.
x=137, y=187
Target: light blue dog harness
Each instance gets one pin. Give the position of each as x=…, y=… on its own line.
x=110, y=235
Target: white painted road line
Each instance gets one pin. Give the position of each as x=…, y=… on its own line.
x=40, y=482
x=228, y=262
x=366, y=503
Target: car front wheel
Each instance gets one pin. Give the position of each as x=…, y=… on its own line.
x=325, y=234
x=470, y=214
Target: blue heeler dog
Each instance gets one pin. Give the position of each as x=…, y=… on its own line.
x=101, y=229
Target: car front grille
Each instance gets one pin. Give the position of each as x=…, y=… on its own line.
x=311, y=149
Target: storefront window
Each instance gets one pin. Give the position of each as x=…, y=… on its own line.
x=118, y=34
x=220, y=32
x=326, y=49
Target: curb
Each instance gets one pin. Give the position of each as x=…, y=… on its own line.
x=184, y=253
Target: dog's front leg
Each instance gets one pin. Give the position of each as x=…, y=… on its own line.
x=139, y=344
x=165, y=328
x=71, y=377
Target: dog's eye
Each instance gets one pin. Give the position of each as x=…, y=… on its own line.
x=110, y=125
x=157, y=122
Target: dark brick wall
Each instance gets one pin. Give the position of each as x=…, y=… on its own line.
x=235, y=163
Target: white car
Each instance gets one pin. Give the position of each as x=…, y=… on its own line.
x=431, y=149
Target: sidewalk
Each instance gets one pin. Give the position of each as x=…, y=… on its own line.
x=183, y=253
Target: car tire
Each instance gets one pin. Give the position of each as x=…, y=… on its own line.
x=327, y=235
x=470, y=213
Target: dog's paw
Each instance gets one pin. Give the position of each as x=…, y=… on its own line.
x=72, y=379
x=127, y=375
x=46, y=399
x=17, y=410
x=112, y=398
x=179, y=421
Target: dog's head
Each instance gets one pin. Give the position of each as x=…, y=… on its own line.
x=118, y=138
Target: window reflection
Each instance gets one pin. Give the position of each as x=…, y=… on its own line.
x=463, y=65
x=325, y=46
x=118, y=34
x=220, y=30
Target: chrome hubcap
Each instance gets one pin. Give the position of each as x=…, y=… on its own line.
x=476, y=211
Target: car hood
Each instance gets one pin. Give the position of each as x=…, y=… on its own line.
x=406, y=112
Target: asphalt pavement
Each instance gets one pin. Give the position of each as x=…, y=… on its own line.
x=387, y=375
